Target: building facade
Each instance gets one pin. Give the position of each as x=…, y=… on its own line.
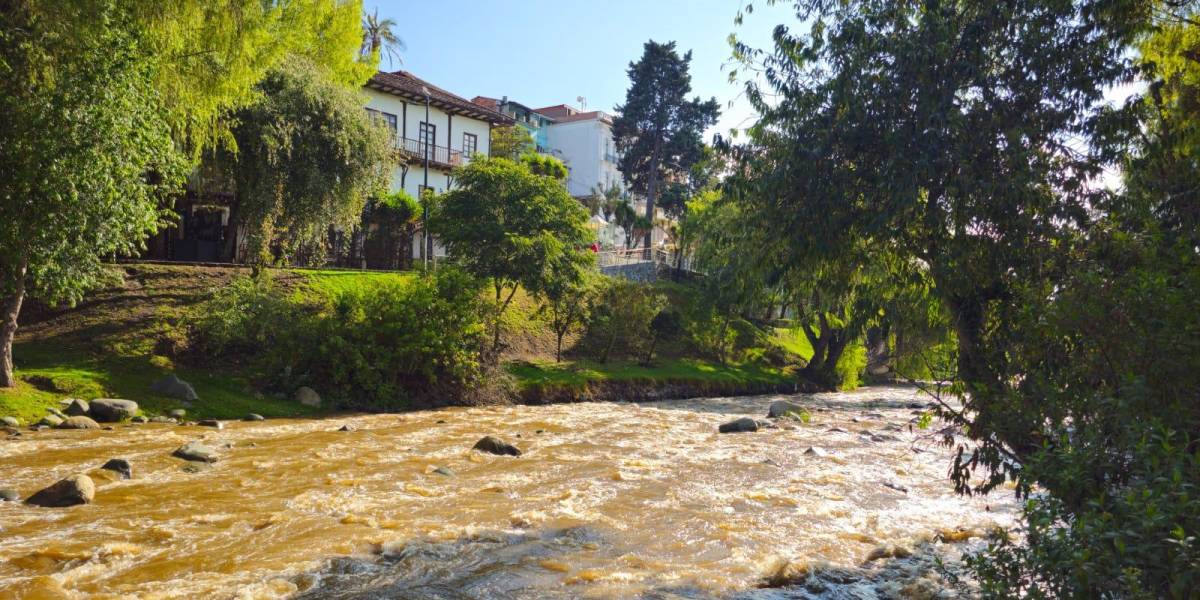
x=425, y=119
x=584, y=141
x=533, y=122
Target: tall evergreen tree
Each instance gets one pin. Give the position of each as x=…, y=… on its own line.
x=659, y=129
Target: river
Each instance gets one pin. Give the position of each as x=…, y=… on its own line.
x=607, y=501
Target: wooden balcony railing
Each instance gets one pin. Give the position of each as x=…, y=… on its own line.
x=439, y=155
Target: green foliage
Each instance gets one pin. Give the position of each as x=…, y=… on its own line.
x=545, y=165
x=505, y=224
x=666, y=326
x=308, y=159
x=375, y=347
x=621, y=312
x=511, y=142
x=568, y=298
x=658, y=130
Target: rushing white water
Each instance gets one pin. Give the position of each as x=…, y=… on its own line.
x=607, y=501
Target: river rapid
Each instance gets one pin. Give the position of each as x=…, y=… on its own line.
x=607, y=501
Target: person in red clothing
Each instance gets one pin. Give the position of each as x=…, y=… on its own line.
x=595, y=247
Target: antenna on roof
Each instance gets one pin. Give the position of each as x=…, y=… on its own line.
x=582, y=102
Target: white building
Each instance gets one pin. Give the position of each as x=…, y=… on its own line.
x=427, y=119
x=584, y=141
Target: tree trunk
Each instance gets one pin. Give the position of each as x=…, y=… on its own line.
x=652, y=190
x=8, y=327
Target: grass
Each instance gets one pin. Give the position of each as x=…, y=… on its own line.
x=330, y=282
x=793, y=341
x=577, y=374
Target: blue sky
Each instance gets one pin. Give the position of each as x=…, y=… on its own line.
x=541, y=52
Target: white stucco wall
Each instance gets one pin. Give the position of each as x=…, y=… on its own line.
x=582, y=145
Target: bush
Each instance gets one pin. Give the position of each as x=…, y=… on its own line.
x=381, y=347
x=620, y=317
x=851, y=366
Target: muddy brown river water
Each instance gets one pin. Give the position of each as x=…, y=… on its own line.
x=607, y=501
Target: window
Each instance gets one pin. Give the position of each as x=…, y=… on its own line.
x=470, y=144
x=428, y=134
x=387, y=119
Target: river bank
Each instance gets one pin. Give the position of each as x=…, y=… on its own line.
x=606, y=500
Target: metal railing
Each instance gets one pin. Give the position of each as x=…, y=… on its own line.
x=437, y=154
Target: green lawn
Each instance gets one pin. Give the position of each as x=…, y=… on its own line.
x=331, y=282
x=577, y=374
x=792, y=340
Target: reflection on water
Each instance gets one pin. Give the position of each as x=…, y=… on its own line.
x=607, y=501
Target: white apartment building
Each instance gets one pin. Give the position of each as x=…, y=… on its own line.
x=426, y=119
x=584, y=141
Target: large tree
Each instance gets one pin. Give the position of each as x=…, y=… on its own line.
x=513, y=227
x=308, y=158
x=86, y=153
x=659, y=129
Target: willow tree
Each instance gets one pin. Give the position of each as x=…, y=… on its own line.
x=86, y=154
x=308, y=158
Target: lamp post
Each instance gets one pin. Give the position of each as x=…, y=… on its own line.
x=427, y=244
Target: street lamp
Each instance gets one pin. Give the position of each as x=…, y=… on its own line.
x=427, y=244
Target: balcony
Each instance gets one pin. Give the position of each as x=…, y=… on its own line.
x=439, y=156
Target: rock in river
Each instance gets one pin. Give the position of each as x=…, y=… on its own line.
x=9, y=495
x=744, y=424
x=78, y=408
x=161, y=419
x=815, y=451
x=78, y=423
x=196, y=451
x=308, y=397
x=211, y=423
x=177, y=413
x=76, y=489
x=50, y=421
x=10, y=422
x=783, y=408
x=175, y=388
x=496, y=446
x=253, y=417
x=119, y=466
x=112, y=410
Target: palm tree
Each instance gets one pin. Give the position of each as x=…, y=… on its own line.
x=379, y=39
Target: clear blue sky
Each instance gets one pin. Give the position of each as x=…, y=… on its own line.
x=541, y=52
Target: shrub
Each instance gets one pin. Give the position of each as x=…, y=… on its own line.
x=621, y=312
x=667, y=325
x=243, y=317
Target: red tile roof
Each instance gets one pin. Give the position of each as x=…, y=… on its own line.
x=409, y=86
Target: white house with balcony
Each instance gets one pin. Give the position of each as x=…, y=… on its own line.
x=433, y=132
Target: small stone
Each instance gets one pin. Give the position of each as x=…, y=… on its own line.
x=878, y=553
x=895, y=486
x=901, y=552
x=440, y=421
x=174, y=387
x=78, y=422
x=112, y=410
x=211, y=423
x=744, y=424
x=816, y=451
x=196, y=467
x=58, y=413
x=496, y=446
x=253, y=417
x=161, y=419
x=347, y=427
x=9, y=495
x=196, y=451
x=540, y=431
x=444, y=471
x=78, y=408
x=783, y=408
x=119, y=466
x=38, y=427
x=177, y=413
x=308, y=397
x=837, y=430
x=76, y=489
x=138, y=419
x=10, y=422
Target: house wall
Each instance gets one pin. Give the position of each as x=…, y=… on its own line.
x=588, y=150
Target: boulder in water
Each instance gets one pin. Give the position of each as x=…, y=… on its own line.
x=139, y=419
x=77, y=408
x=174, y=387
x=50, y=421
x=444, y=471
x=58, y=413
x=253, y=417
x=76, y=489
x=112, y=410
x=782, y=408
x=177, y=413
x=10, y=422
x=78, y=423
x=9, y=495
x=308, y=397
x=196, y=451
x=211, y=423
x=161, y=419
x=815, y=451
x=742, y=425
x=496, y=446
x=119, y=466
x=347, y=427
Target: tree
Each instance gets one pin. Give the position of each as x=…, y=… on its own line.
x=396, y=214
x=86, y=154
x=658, y=131
x=308, y=158
x=511, y=142
x=567, y=294
x=379, y=39
x=508, y=225
x=667, y=325
x=544, y=165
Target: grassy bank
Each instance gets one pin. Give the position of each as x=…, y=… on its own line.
x=127, y=335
